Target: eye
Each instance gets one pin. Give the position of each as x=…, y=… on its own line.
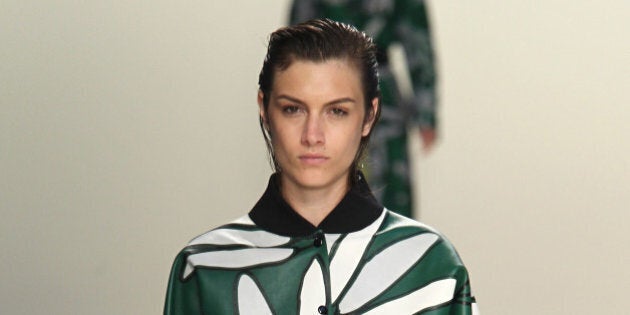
x=290, y=109
x=338, y=111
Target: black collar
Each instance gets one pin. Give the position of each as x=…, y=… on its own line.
x=355, y=211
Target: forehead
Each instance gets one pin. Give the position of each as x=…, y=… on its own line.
x=335, y=76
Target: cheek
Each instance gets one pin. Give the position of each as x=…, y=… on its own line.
x=281, y=139
x=353, y=139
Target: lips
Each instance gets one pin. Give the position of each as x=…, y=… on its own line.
x=313, y=159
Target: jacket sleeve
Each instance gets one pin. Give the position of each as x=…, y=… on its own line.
x=464, y=302
x=182, y=295
x=443, y=262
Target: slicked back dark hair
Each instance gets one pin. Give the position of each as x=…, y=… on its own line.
x=321, y=40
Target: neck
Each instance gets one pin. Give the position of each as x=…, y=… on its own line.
x=313, y=204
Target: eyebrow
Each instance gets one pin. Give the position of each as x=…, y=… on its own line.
x=333, y=102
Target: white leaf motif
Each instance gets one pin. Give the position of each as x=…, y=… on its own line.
x=239, y=258
x=240, y=237
x=313, y=291
x=349, y=254
x=250, y=300
x=384, y=269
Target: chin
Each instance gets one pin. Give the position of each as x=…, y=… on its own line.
x=315, y=179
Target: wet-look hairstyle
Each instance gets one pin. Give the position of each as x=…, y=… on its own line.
x=321, y=40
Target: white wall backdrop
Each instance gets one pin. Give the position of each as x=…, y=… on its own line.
x=532, y=179
x=128, y=127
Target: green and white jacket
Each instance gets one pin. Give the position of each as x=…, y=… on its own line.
x=362, y=259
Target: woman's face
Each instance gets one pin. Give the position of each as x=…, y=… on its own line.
x=316, y=120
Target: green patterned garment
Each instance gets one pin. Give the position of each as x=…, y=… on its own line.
x=390, y=22
x=362, y=259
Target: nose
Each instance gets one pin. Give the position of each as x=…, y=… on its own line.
x=313, y=132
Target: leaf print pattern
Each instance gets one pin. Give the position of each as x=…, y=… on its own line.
x=375, y=279
x=313, y=290
x=393, y=266
x=431, y=295
x=237, y=236
x=348, y=255
x=240, y=258
x=250, y=299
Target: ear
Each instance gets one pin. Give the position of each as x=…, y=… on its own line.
x=261, y=109
x=369, y=123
